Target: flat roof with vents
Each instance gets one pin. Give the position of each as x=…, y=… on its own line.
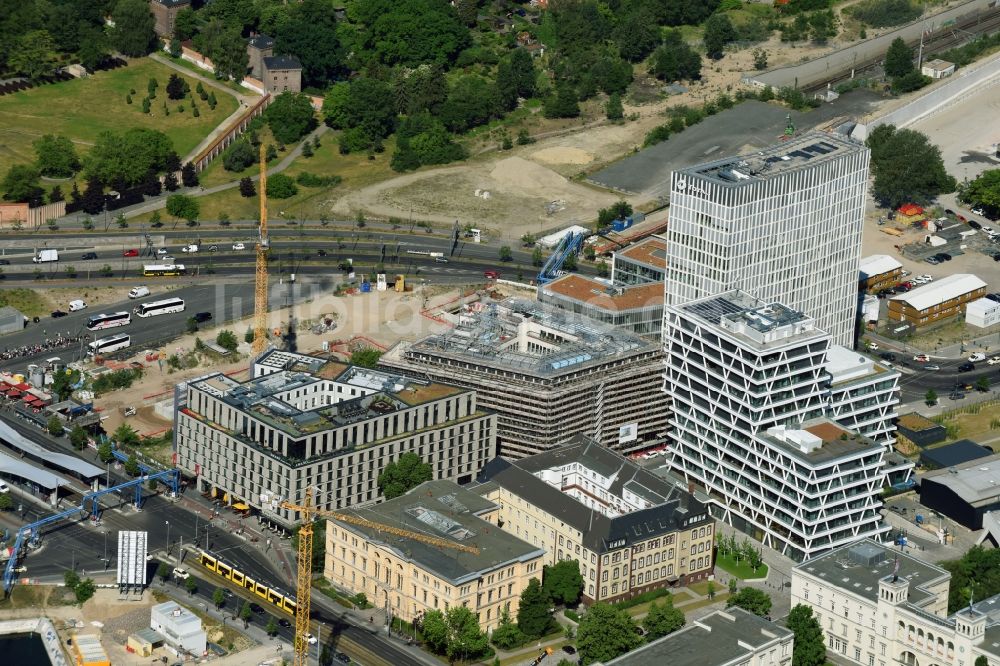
x=977, y=481
x=798, y=152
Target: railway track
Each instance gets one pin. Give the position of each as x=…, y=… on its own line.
x=943, y=39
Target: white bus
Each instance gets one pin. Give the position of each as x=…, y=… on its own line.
x=166, y=306
x=100, y=321
x=109, y=344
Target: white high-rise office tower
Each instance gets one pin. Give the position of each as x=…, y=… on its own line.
x=782, y=224
x=751, y=425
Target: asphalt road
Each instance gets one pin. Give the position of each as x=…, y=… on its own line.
x=915, y=381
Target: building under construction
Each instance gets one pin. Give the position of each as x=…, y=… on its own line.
x=548, y=375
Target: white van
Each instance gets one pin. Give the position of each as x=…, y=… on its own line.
x=4, y=488
x=190, y=248
x=138, y=292
x=77, y=305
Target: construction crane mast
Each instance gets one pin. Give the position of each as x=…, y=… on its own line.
x=260, y=292
x=304, y=574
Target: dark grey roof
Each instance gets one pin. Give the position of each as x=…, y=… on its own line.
x=11, y=316
x=22, y=470
x=62, y=460
x=445, y=510
x=261, y=42
x=956, y=453
x=674, y=504
x=719, y=639
x=282, y=62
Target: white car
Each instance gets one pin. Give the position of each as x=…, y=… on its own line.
x=312, y=639
x=190, y=248
x=994, y=360
x=162, y=252
x=978, y=211
x=182, y=573
x=167, y=260
x=926, y=278
x=921, y=358
x=872, y=346
x=138, y=292
x=978, y=356
x=239, y=246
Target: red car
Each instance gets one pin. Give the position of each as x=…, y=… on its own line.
x=130, y=253
x=491, y=275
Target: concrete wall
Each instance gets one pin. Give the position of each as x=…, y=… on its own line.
x=807, y=73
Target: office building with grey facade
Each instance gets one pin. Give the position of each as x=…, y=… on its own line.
x=308, y=421
x=782, y=224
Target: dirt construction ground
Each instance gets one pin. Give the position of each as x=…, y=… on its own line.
x=383, y=318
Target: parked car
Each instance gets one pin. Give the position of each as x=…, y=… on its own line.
x=312, y=639
x=321, y=253
x=239, y=246
x=87, y=256
x=933, y=260
x=58, y=313
x=932, y=368
x=975, y=225
x=4, y=262
x=202, y=317
x=130, y=253
x=887, y=356
x=569, y=649
x=944, y=256
x=190, y=248
x=162, y=252
x=138, y=292
x=342, y=658
x=256, y=610
x=181, y=573
x=949, y=211
x=282, y=622
x=978, y=210
x=966, y=367
x=994, y=360
x=994, y=297
x=213, y=248
x=872, y=346
x=978, y=356
x=956, y=395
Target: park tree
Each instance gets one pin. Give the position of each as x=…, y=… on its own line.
x=505, y=253
x=56, y=194
x=84, y=590
x=751, y=600
x=189, y=175
x=408, y=472
x=175, y=87
x=219, y=597
x=614, y=108
x=533, y=617
x=163, y=571
x=21, y=183
x=133, y=33
x=55, y=426
x=522, y=66
x=602, y=269
x=125, y=435
x=562, y=582
x=247, y=187
x=606, y=632
x=984, y=191
x=898, y=59
x=906, y=167
x=170, y=183
x=309, y=32
x=364, y=104
x=78, y=438
x=280, y=186
x=809, y=648
x=55, y=156
x=983, y=384
x=930, y=397
x=662, y=619
x=226, y=47
x=636, y=35
x=435, y=631
x=104, y=452
x=507, y=636
x=227, y=340
x=466, y=640
x=181, y=206
x=290, y=117
x=471, y=101
x=563, y=103
x=94, y=47
x=128, y=157
x=409, y=32
x=92, y=200
x=366, y=357
x=675, y=60
x=719, y=32
x=31, y=54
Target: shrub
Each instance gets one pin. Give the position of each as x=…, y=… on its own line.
x=307, y=179
x=280, y=186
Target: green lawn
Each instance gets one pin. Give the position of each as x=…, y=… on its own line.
x=83, y=108
x=31, y=302
x=739, y=569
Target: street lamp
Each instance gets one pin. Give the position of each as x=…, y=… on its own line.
x=168, y=535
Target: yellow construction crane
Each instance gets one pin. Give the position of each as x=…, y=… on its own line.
x=304, y=578
x=260, y=293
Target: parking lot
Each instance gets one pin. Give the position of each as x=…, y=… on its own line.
x=901, y=512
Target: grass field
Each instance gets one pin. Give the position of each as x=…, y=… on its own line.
x=740, y=569
x=83, y=108
x=356, y=170
x=30, y=302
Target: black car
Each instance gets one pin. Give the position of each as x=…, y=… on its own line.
x=202, y=317
x=994, y=297
x=4, y=262
x=343, y=658
x=89, y=255
x=321, y=253
x=282, y=622
x=949, y=211
x=569, y=649
x=58, y=313
x=975, y=225
x=256, y=610
x=996, y=257
x=966, y=367
x=887, y=356
x=944, y=256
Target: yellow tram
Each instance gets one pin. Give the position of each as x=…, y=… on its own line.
x=271, y=595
